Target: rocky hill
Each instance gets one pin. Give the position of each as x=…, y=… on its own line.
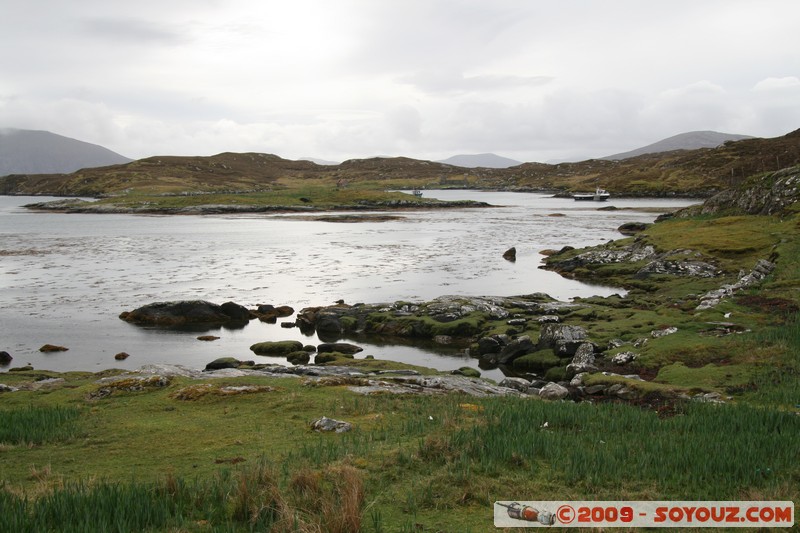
x=774, y=193
x=42, y=152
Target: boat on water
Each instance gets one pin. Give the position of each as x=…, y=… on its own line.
x=599, y=195
x=417, y=193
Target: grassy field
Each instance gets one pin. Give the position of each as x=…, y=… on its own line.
x=149, y=460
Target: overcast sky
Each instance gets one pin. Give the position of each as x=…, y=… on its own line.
x=533, y=80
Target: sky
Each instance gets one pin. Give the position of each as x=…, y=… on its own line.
x=531, y=80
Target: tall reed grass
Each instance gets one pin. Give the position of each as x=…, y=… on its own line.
x=709, y=451
x=37, y=425
x=778, y=385
x=250, y=499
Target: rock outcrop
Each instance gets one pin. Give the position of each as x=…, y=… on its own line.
x=769, y=194
x=746, y=279
x=188, y=312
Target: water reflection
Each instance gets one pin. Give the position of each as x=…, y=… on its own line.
x=66, y=278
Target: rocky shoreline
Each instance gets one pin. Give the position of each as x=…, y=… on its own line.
x=74, y=205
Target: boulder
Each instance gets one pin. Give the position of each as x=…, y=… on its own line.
x=492, y=344
x=545, y=319
x=583, y=361
x=5, y=358
x=187, y=312
x=519, y=384
x=49, y=348
x=467, y=371
x=563, y=339
x=223, y=362
x=632, y=228
x=329, y=424
x=553, y=391
x=328, y=357
x=298, y=358
x=623, y=358
x=341, y=347
x=663, y=332
x=443, y=339
x=270, y=313
x=516, y=348
x=276, y=348
x=689, y=269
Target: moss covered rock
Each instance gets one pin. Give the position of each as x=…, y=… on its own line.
x=276, y=348
x=539, y=361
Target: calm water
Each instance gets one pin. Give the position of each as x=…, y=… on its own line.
x=64, y=279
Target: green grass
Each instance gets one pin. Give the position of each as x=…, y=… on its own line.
x=38, y=424
x=438, y=461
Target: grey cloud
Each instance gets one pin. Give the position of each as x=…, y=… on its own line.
x=443, y=81
x=130, y=30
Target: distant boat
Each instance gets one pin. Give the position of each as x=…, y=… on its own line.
x=417, y=192
x=599, y=195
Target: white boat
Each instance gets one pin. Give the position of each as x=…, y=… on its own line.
x=599, y=195
x=417, y=192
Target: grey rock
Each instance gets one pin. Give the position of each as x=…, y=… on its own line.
x=623, y=358
x=577, y=380
x=583, y=361
x=328, y=321
x=329, y=424
x=564, y=339
x=544, y=319
x=185, y=312
x=616, y=343
x=487, y=345
x=663, y=332
x=626, y=393
x=553, y=391
x=516, y=348
x=341, y=347
x=443, y=339
x=595, y=389
x=694, y=269
x=223, y=362
x=519, y=384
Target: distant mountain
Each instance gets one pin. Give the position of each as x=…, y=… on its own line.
x=42, y=152
x=480, y=160
x=684, y=141
x=318, y=161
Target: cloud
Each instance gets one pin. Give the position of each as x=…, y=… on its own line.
x=444, y=81
x=530, y=80
x=132, y=31
x=771, y=84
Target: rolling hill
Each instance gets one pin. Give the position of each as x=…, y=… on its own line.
x=694, y=173
x=684, y=141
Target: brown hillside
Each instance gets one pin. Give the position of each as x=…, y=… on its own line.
x=682, y=172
